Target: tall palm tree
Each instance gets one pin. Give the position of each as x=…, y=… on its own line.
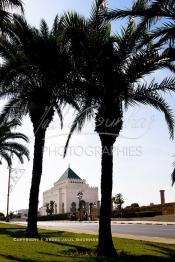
x=5, y=8
x=34, y=78
x=8, y=144
x=150, y=11
x=9, y=147
x=111, y=69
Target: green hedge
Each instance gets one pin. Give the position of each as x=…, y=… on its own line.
x=2, y=216
x=65, y=216
x=148, y=213
x=136, y=214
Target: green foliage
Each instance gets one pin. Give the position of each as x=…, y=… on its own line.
x=111, y=69
x=50, y=207
x=2, y=216
x=5, y=6
x=151, y=12
x=118, y=201
x=134, y=205
x=35, y=79
x=65, y=216
x=11, y=215
x=148, y=213
x=8, y=145
x=35, y=72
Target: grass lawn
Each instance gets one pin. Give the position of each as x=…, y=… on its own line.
x=66, y=246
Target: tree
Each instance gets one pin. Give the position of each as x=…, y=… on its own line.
x=111, y=69
x=6, y=6
x=34, y=78
x=150, y=11
x=8, y=145
x=50, y=207
x=118, y=201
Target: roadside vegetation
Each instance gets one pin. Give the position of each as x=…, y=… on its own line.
x=65, y=246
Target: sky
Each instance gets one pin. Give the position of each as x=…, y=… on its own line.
x=143, y=154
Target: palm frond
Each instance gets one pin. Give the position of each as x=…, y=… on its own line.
x=59, y=112
x=6, y=157
x=167, y=85
x=6, y=4
x=17, y=136
x=155, y=100
x=173, y=177
x=44, y=29
x=78, y=123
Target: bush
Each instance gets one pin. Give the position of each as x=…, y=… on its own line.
x=132, y=214
x=2, y=216
x=65, y=216
x=129, y=215
x=134, y=205
x=148, y=213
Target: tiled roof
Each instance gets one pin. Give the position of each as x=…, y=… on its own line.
x=69, y=174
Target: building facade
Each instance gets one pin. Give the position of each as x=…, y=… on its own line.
x=65, y=191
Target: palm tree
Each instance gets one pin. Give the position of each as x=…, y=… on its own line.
x=118, y=200
x=6, y=6
x=150, y=11
x=7, y=144
x=111, y=69
x=8, y=148
x=34, y=79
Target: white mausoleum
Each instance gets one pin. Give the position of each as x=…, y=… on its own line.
x=64, y=193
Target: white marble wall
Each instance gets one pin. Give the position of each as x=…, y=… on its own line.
x=66, y=192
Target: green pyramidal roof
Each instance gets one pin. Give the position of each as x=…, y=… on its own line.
x=69, y=174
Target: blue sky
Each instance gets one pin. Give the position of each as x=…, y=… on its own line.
x=143, y=153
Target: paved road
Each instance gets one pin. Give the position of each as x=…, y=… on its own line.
x=157, y=231
x=131, y=229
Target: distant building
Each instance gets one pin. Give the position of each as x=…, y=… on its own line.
x=64, y=194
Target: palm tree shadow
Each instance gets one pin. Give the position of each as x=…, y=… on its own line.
x=73, y=248
x=16, y=232
x=12, y=231
x=163, y=250
x=90, y=254
x=14, y=258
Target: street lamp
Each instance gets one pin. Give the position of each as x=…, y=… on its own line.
x=14, y=179
x=90, y=211
x=8, y=192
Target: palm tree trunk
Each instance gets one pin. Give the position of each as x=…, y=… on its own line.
x=32, y=230
x=105, y=245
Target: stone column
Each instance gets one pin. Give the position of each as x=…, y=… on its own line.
x=162, y=197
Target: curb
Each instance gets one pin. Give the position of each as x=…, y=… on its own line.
x=119, y=222
x=113, y=222
x=143, y=223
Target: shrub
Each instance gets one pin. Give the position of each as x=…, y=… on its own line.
x=148, y=213
x=2, y=216
x=65, y=216
x=134, y=205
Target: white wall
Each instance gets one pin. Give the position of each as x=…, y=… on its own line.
x=66, y=192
